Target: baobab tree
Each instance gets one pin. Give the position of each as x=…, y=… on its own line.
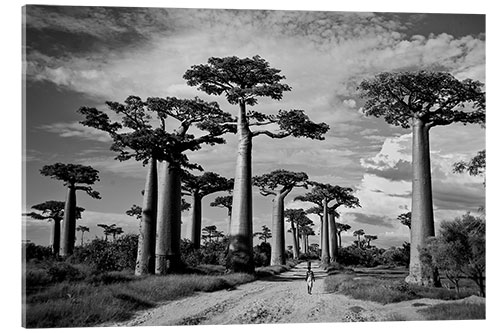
x=136, y=211
x=304, y=232
x=242, y=81
x=326, y=193
x=358, y=233
x=369, y=239
x=76, y=177
x=296, y=217
x=53, y=210
x=199, y=187
x=317, y=209
x=136, y=137
x=341, y=227
x=263, y=235
x=83, y=229
x=279, y=184
x=210, y=232
x=422, y=100
x=224, y=202
x=405, y=219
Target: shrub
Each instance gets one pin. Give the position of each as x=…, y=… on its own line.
x=397, y=256
x=32, y=251
x=356, y=256
x=108, y=256
x=262, y=254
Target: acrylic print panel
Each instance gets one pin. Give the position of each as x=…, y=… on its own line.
x=199, y=130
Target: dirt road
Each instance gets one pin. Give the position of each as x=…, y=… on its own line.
x=281, y=299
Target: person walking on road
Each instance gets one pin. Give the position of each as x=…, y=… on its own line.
x=309, y=278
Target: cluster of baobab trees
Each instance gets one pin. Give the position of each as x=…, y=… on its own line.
x=155, y=132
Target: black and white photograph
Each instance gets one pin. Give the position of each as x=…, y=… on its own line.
x=187, y=166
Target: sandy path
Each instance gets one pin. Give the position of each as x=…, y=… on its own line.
x=280, y=299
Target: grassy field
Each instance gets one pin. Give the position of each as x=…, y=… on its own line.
x=63, y=295
x=462, y=311
x=386, y=288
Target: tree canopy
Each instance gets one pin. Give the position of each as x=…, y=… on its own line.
x=51, y=210
x=72, y=175
x=206, y=183
x=436, y=98
x=239, y=79
x=279, y=179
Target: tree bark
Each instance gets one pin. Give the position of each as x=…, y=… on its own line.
x=422, y=219
x=196, y=220
x=340, y=239
x=145, y=263
x=69, y=222
x=240, y=255
x=56, y=236
x=168, y=233
x=304, y=244
x=332, y=229
x=325, y=249
x=278, y=256
x=295, y=243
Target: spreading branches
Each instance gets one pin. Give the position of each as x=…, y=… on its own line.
x=436, y=98
x=280, y=181
x=72, y=175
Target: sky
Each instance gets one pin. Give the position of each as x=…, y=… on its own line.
x=78, y=65
x=85, y=56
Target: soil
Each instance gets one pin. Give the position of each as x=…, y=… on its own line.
x=279, y=299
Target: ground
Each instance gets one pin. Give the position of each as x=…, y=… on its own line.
x=279, y=299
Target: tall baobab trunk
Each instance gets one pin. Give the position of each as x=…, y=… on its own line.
x=240, y=256
x=196, y=220
x=145, y=263
x=69, y=222
x=332, y=228
x=278, y=249
x=168, y=233
x=325, y=249
x=56, y=236
x=295, y=243
x=422, y=219
x=304, y=244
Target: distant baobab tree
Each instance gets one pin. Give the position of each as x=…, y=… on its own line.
x=369, y=239
x=53, y=210
x=199, y=187
x=83, y=229
x=224, y=202
x=358, y=233
x=422, y=100
x=296, y=217
x=324, y=194
x=341, y=227
x=76, y=177
x=263, y=235
x=242, y=81
x=279, y=184
x=405, y=219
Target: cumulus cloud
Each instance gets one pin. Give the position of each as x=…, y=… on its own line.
x=76, y=130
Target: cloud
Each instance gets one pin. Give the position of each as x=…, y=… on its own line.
x=370, y=219
x=76, y=130
x=402, y=170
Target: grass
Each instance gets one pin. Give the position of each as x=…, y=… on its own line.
x=114, y=297
x=464, y=311
x=386, y=290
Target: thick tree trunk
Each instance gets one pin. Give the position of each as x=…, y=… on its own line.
x=278, y=256
x=240, y=256
x=69, y=222
x=325, y=249
x=295, y=243
x=422, y=219
x=56, y=236
x=196, y=220
x=304, y=244
x=332, y=229
x=145, y=263
x=340, y=239
x=168, y=232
